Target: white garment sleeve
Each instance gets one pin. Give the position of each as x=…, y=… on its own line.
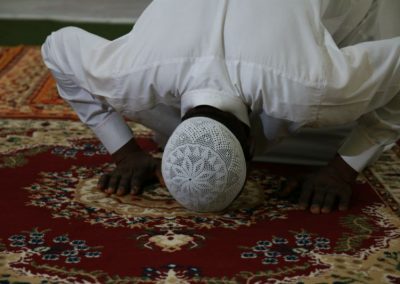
x=108, y=125
x=380, y=127
x=375, y=132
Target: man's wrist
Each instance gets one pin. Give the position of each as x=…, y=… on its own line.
x=126, y=150
x=345, y=170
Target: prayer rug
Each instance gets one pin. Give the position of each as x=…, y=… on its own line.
x=56, y=228
x=27, y=89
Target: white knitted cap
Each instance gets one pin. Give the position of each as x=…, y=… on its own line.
x=203, y=165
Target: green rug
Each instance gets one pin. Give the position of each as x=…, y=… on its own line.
x=34, y=32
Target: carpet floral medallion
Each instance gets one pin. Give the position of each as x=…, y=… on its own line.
x=57, y=228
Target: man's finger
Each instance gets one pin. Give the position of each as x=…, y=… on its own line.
x=318, y=199
x=305, y=195
x=124, y=185
x=113, y=184
x=137, y=184
x=159, y=176
x=102, y=184
x=329, y=201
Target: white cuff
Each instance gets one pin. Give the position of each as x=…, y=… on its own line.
x=359, y=162
x=358, y=151
x=113, y=132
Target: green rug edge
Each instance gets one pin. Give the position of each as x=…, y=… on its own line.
x=34, y=32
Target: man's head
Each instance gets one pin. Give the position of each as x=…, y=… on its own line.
x=204, y=161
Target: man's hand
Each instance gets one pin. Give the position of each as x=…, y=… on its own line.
x=133, y=168
x=322, y=190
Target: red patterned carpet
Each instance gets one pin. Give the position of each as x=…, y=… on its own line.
x=56, y=228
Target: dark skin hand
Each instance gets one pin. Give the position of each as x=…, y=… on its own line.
x=321, y=191
x=134, y=168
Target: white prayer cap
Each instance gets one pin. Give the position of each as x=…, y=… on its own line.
x=203, y=165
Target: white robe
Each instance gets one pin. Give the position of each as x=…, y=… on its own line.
x=279, y=66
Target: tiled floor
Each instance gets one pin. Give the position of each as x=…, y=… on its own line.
x=115, y=11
